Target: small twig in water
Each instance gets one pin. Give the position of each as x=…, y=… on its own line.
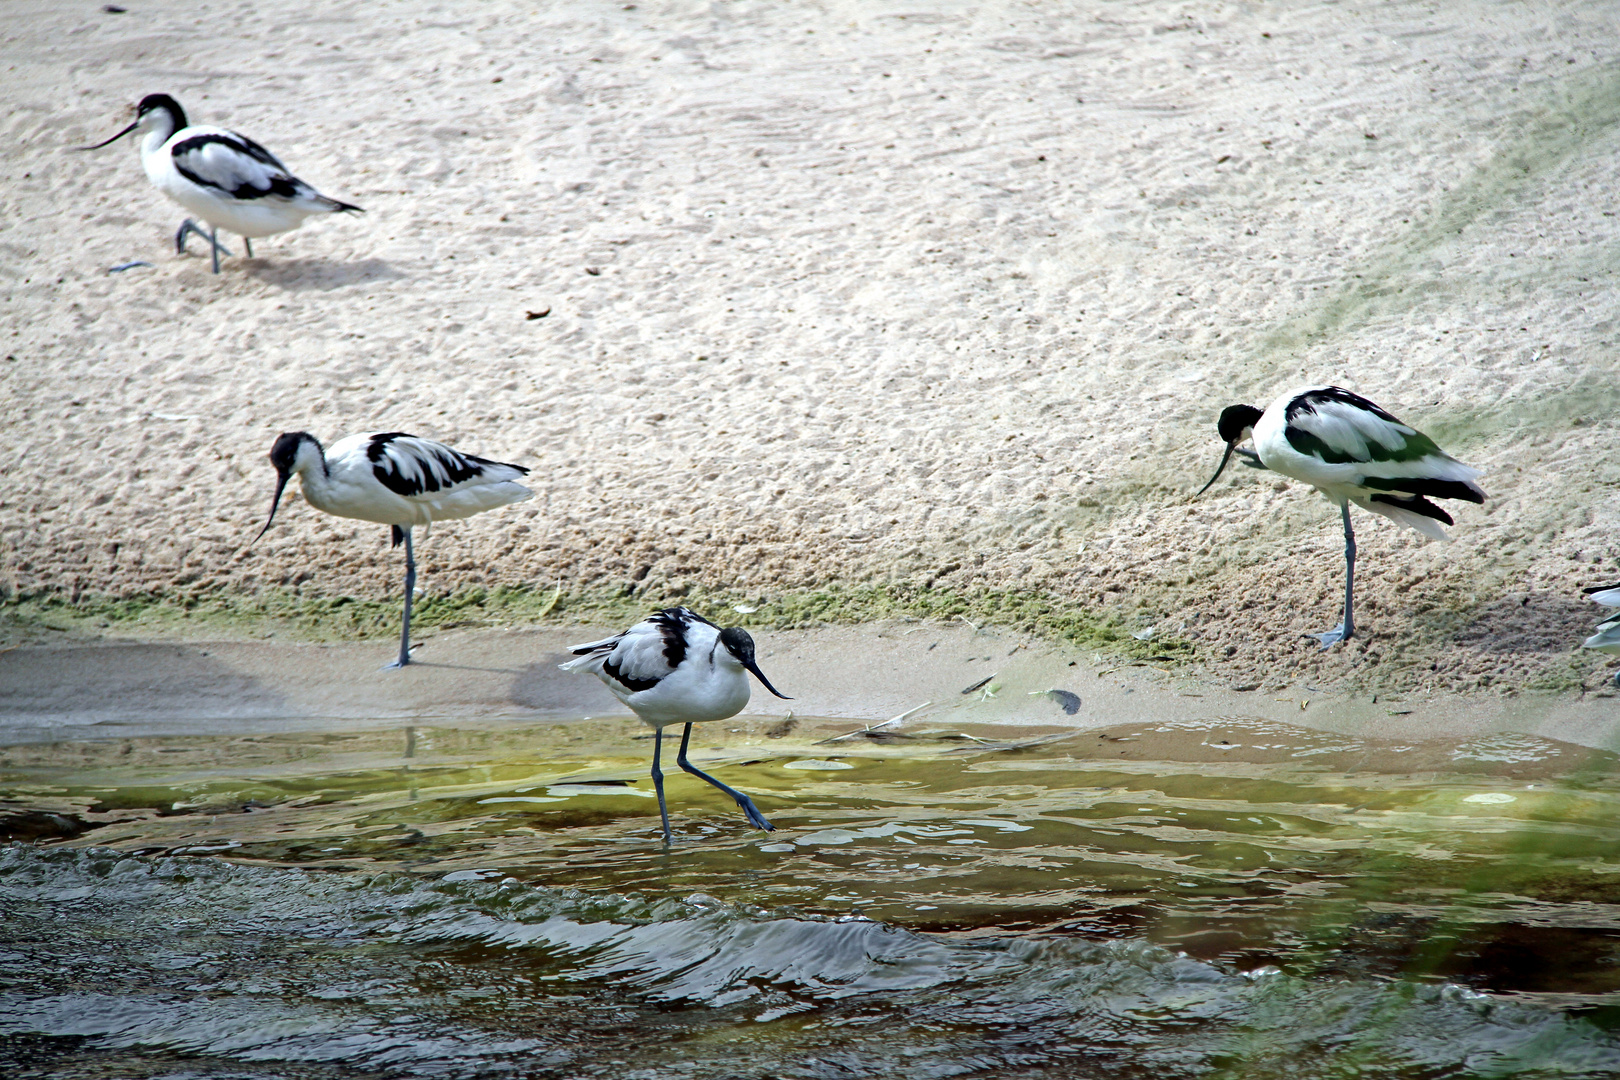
x=873, y=727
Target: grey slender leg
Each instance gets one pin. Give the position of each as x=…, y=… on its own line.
x=658, y=783
x=187, y=227
x=1347, y=627
x=410, y=588
x=755, y=818
x=247, y=242
x=1349, y=574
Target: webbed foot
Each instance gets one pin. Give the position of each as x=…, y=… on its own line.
x=1329, y=638
x=751, y=812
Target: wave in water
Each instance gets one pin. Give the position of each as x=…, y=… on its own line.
x=117, y=960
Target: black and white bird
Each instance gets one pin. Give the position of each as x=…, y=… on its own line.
x=228, y=180
x=676, y=667
x=1353, y=452
x=394, y=479
x=1607, y=638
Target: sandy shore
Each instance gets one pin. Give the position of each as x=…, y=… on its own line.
x=937, y=293
x=933, y=677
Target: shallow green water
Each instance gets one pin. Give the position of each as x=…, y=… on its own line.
x=1224, y=899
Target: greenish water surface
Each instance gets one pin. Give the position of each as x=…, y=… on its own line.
x=1220, y=898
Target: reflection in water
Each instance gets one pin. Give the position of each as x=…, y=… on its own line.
x=1223, y=899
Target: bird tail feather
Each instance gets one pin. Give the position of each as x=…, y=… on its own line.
x=1434, y=487
x=1607, y=640
x=1415, y=513
x=591, y=655
x=1607, y=595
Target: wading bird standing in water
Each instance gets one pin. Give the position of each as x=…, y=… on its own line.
x=1353, y=452
x=676, y=667
x=226, y=179
x=394, y=479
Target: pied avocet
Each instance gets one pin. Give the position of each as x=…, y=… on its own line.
x=226, y=179
x=394, y=479
x=676, y=667
x=1607, y=638
x=1352, y=451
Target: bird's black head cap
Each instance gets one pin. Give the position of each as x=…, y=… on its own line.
x=1234, y=422
x=153, y=102
x=150, y=104
x=740, y=644
x=284, y=454
x=1235, y=419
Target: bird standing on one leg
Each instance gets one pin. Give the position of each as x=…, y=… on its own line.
x=1353, y=452
x=676, y=667
x=397, y=480
x=226, y=179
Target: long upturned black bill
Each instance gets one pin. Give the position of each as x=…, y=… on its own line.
x=114, y=139
x=1231, y=446
x=281, y=482
x=760, y=675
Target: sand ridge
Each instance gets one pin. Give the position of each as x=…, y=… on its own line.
x=947, y=293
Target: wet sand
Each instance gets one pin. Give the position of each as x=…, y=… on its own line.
x=839, y=678
x=946, y=295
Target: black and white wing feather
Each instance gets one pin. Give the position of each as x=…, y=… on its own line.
x=1339, y=427
x=1607, y=595
x=1398, y=468
x=644, y=655
x=236, y=166
x=409, y=466
x=1607, y=639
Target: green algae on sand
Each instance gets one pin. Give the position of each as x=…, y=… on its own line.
x=279, y=612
